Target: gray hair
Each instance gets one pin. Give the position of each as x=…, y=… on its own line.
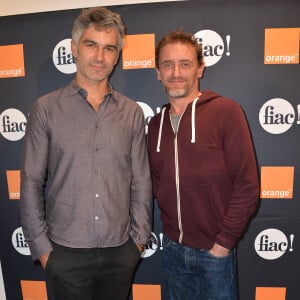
x=102, y=18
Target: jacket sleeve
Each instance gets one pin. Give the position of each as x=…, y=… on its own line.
x=241, y=163
x=33, y=175
x=141, y=191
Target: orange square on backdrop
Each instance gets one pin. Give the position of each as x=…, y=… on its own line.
x=139, y=51
x=277, y=182
x=270, y=293
x=34, y=290
x=13, y=183
x=12, y=61
x=282, y=45
x=146, y=292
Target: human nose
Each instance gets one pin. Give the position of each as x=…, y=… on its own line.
x=176, y=70
x=99, y=53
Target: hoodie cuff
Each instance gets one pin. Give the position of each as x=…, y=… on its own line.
x=225, y=240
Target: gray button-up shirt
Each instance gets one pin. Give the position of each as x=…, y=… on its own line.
x=85, y=179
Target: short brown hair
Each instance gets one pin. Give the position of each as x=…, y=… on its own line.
x=181, y=37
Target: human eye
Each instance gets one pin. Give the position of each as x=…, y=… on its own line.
x=90, y=45
x=166, y=65
x=110, y=49
x=186, y=64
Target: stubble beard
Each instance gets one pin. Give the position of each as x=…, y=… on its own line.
x=176, y=93
x=87, y=71
x=99, y=76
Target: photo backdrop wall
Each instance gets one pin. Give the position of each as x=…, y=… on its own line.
x=251, y=52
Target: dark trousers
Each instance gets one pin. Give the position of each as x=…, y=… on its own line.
x=92, y=274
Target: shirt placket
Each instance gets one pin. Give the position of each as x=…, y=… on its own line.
x=97, y=186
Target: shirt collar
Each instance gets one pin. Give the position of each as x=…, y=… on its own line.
x=74, y=88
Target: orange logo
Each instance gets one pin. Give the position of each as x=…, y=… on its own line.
x=12, y=61
x=13, y=183
x=277, y=182
x=146, y=292
x=139, y=51
x=270, y=293
x=282, y=45
x=34, y=290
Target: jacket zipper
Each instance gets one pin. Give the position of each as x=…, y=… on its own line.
x=177, y=181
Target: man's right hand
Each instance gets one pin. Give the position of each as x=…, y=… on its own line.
x=43, y=260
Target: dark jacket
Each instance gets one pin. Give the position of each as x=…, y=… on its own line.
x=204, y=177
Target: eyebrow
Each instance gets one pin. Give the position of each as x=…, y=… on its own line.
x=86, y=41
x=171, y=61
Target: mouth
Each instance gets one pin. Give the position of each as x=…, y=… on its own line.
x=176, y=83
x=97, y=66
x=176, y=80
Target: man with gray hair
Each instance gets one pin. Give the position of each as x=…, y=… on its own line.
x=86, y=200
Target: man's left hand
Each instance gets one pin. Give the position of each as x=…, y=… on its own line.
x=218, y=250
x=140, y=247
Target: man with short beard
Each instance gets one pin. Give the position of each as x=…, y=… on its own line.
x=204, y=176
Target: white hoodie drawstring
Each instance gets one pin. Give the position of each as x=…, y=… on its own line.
x=193, y=140
x=160, y=129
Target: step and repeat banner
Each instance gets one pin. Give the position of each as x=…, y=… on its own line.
x=251, y=51
x=19, y=7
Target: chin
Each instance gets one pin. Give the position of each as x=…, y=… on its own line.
x=176, y=93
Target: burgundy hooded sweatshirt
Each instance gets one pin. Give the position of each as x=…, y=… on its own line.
x=205, y=176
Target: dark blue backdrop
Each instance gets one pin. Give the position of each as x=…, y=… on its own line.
x=242, y=76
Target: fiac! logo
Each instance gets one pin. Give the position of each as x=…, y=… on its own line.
x=148, y=113
x=153, y=245
x=212, y=45
x=272, y=243
x=63, y=58
x=277, y=116
x=13, y=124
x=19, y=243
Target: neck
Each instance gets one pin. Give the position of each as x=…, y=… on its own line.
x=178, y=105
x=95, y=91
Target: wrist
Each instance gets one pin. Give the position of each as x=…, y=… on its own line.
x=141, y=247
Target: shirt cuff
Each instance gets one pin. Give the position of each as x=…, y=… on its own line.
x=40, y=246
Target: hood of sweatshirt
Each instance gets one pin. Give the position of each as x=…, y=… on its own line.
x=205, y=97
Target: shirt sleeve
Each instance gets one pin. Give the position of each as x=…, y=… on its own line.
x=152, y=143
x=33, y=177
x=241, y=163
x=141, y=204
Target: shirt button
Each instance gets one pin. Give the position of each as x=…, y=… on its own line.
x=97, y=195
x=96, y=218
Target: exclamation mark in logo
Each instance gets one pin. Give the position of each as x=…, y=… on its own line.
x=292, y=240
x=161, y=241
x=298, y=119
x=228, y=43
